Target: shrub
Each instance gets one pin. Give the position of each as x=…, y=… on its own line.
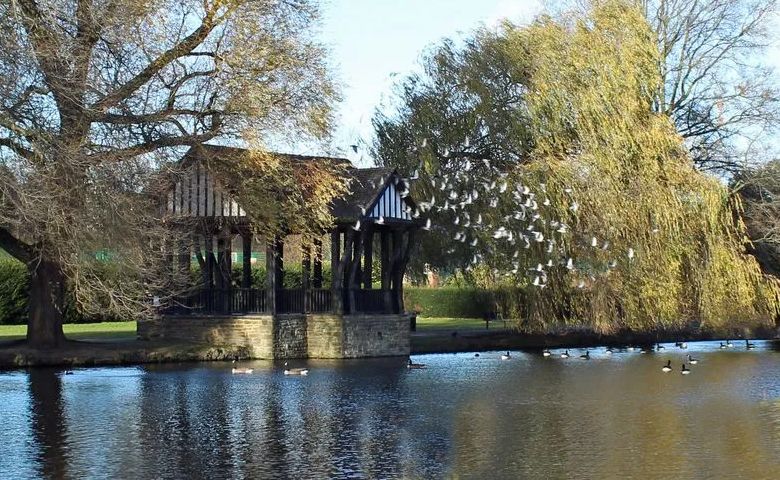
x=14, y=288
x=465, y=302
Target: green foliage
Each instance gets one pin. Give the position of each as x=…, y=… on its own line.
x=654, y=244
x=14, y=296
x=464, y=302
x=14, y=285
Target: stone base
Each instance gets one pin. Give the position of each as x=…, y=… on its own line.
x=290, y=336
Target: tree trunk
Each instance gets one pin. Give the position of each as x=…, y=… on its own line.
x=47, y=305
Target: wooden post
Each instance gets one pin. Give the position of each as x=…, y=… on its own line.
x=184, y=258
x=396, y=276
x=353, y=282
x=246, y=278
x=385, y=270
x=227, y=267
x=279, y=267
x=219, y=277
x=368, y=258
x=317, y=280
x=305, y=270
x=270, y=275
x=209, y=263
x=410, y=239
x=335, y=266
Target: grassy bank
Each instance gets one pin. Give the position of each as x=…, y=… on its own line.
x=114, y=331
x=431, y=324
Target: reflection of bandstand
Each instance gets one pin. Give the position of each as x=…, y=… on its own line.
x=360, y=313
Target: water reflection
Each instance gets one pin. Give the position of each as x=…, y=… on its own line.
x=462, y=417
x=47, y=417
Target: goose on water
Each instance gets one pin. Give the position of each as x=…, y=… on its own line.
x=412, y=365
x=722, y=346
x=659, y=347
x=506, y=356
x=565, y=354
x=546, y=353
x=295, y=371
x=608, y=351
x=691, y=360
x=586, y=355
x=668, y=367
x=685, y=370
x=748, y=345
x=729, y=344
x=241, y=371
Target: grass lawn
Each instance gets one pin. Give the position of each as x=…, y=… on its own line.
x=79, y=331
x=426, y=324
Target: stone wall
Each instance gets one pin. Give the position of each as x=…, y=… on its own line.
x=376, y=336
x=290, y=336
x=325, y=336
x=252, y=331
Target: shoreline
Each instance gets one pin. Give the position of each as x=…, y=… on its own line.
x=448, y=341
x=80, y=353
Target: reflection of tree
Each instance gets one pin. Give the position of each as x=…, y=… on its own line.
x=47, y=412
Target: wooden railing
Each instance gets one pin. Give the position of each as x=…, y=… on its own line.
x=236, y=300
x=290, y=300
x=369, y=301
x=320, y=300
x=293, y=300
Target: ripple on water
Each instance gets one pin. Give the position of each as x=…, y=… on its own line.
x=473, y=417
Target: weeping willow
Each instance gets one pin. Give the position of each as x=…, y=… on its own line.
x=569, y=186
x=669, y=243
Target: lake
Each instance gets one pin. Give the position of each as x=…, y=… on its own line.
x=463, y=416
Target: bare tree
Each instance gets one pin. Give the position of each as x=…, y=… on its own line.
x=759, y=189
x=716, y=88
x=98, y=96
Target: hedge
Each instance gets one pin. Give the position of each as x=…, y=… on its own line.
x=464, y=302
x=14, y=286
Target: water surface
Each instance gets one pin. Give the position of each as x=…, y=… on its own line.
x=464, y=417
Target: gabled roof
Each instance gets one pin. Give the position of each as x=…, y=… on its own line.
x=366, y=185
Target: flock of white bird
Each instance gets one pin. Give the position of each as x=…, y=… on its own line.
x=499, y=217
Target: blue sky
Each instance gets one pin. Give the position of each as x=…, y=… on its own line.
x=375, y=43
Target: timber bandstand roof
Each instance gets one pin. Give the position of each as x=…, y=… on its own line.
x=373, y=193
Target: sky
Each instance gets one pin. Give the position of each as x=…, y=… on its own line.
x=375, y=43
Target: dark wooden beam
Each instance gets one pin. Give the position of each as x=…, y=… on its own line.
x=219, y=276
x=385, y=252
x=208, y=272
x=317, y=274
x=246, y=277
x=353, y=282
x=336, y=276
x=270, y=272
x=305, y=273
x=368, y=257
